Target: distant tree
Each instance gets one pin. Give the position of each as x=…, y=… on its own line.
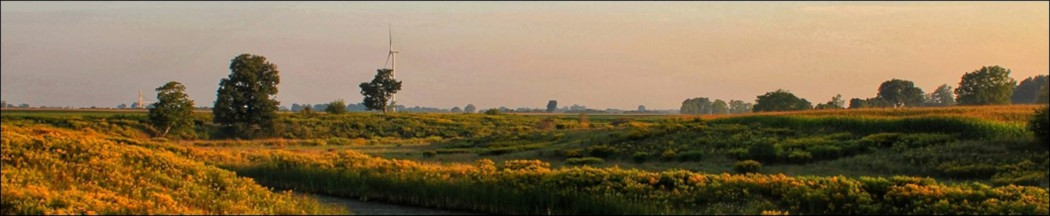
x=835, y=103
x=736, y=106
x=24, y=105
x=987, y=86
x=307, y=110
x=552, y=105
x=780, y=100
x=469, y=108
x=3, y=103
x=283, y=108
x=456, y=110
x=719, y=107
x=857, y=103
x=122, y=106
x=1027, y=92
x=173, y=110
x=336, y=107
x=378, y=92
x=244, y=106
x=943, y=96
x=901, y=93
x=493, y=112
x=1043, y=92
x=689, y=106
x=641, y=108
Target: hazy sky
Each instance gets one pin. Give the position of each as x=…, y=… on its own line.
x=513, y=54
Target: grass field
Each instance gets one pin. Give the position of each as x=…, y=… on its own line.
x=954, y=160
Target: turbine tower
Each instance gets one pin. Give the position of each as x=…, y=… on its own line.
x=391, y=58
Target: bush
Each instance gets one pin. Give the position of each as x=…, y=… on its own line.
x=668, y=155
x=492, y=112
x=601, y=151
x=692, y=155
x=747, y=166
x=765, y=151
x=640, y=157
x=1038, y=125
x=584, y=161
x=429, y=154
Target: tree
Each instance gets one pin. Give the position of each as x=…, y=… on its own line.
x=469, y=108
x=987, y=86
x=835, y=103
x=336, y=107
x=641, y=108
x=173, y=110
x=736, y=106
x=943, y=96
x=901, y=93
x=1039, y=125
x=1043, y=98
x=1027, y=92
x=245, y=106
x=780, y=100
x=377, y=93
x=122, y=106
x=552, y=105
x=3, y=104
x=456, y=110
x=719, y=107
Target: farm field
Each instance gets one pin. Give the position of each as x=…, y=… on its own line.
x=957, y=160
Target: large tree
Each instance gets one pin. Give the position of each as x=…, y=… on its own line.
x=719, y=107
x=173, y=110
x=378, y=92
x=1027, y=91
x=245, y=106
x=943, y=96
x=780, y=100
x=987, y=86
x=470, y=108
x=552, y=106
x=901, y=93
x=736, y=106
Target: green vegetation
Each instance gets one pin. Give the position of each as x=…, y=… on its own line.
x=173, y=110
x=60, y=171
x=245, y=107
x=378, y=92
x=989, y=85
x=780, y=100
x=815, y=162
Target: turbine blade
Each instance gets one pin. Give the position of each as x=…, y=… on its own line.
x=387, y=60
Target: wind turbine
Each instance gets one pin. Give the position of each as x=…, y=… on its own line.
x=391, y=58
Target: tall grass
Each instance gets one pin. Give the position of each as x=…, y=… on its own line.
x=962, y=126
x=531, y=187
x=58, y=171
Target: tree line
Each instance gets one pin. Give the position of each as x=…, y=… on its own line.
x=989, y=85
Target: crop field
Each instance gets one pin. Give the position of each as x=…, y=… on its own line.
x=956, y=160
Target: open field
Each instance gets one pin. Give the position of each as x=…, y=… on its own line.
x=957, y=160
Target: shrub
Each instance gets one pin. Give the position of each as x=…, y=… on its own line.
x=601, y=151
x=1038, y=125
x=640, y=157
x=747, y=166
x=668, y=155
x=764, y=150
x=492, y=112
x=429, y=154
x=584, y=161
x=692, y=155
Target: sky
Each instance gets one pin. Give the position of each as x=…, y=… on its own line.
x=514, y=54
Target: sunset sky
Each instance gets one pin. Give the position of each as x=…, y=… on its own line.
x=513, y=54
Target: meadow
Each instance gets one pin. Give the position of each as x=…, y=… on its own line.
x=954, y=160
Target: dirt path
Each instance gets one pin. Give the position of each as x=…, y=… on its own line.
x=375, y=208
